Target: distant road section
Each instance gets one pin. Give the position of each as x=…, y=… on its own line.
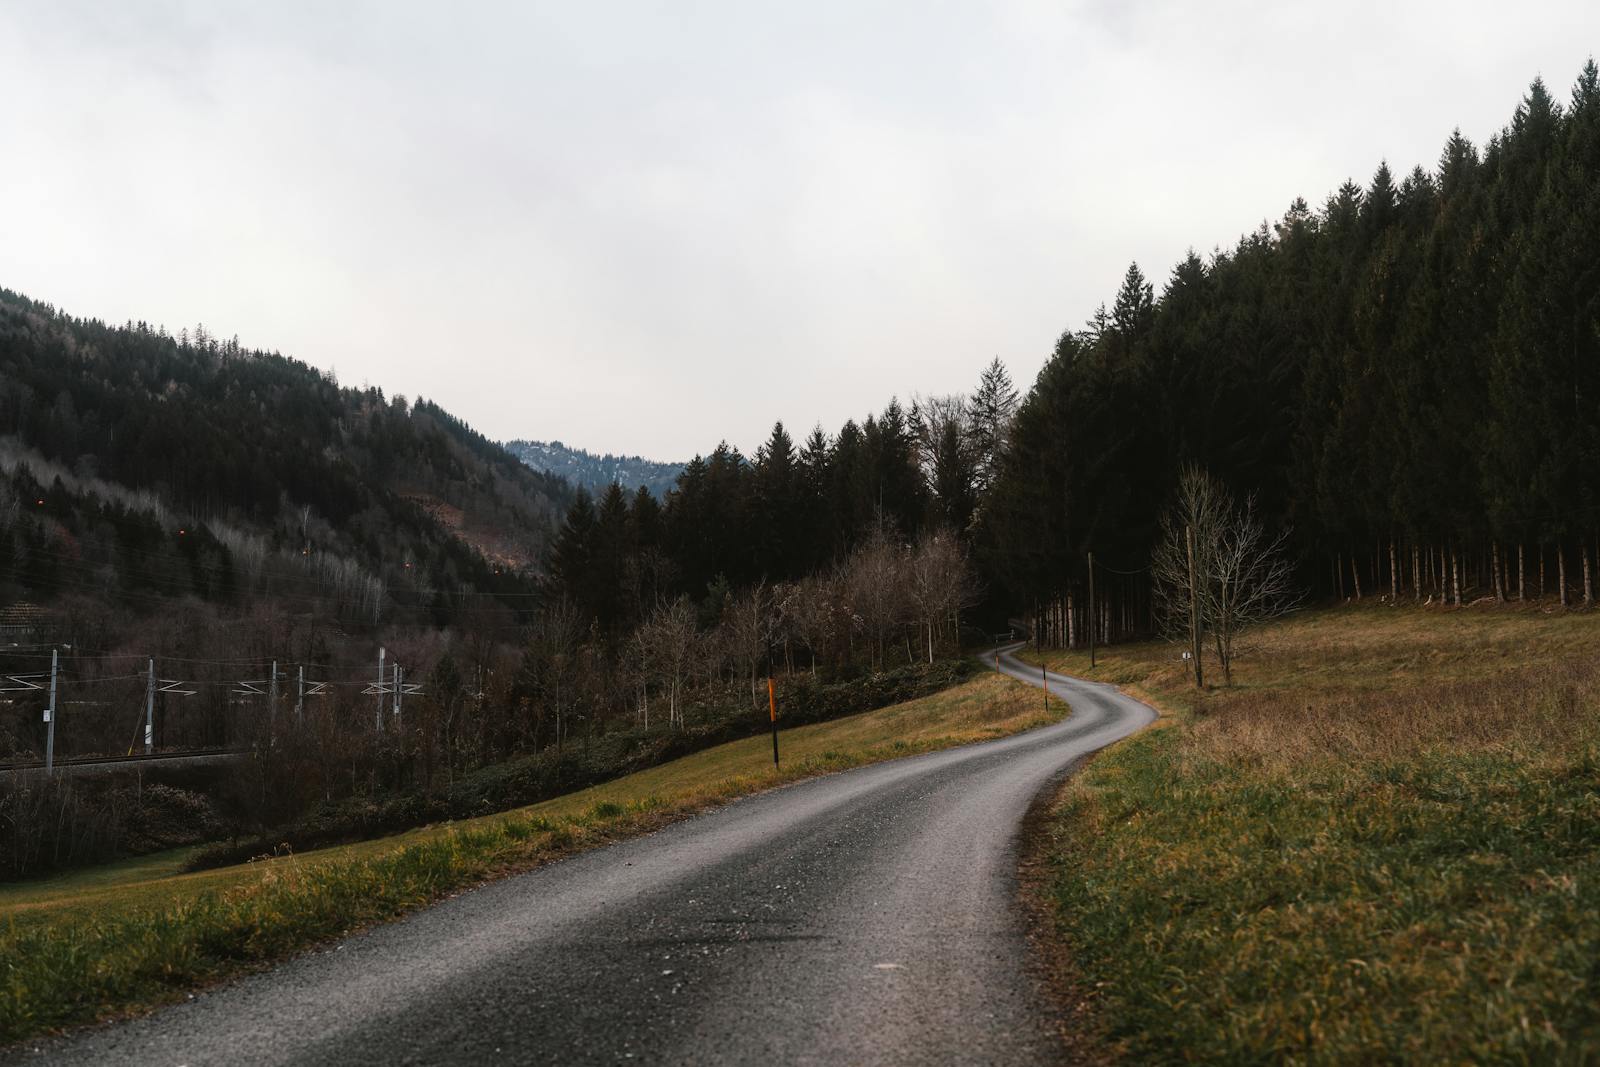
x=868, y=917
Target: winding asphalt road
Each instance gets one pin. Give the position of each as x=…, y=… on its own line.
x=868, y=917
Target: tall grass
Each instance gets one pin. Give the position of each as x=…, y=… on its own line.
x=1382, y=846
x=59, y=973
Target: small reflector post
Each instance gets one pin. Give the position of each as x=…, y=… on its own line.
x=772, y=709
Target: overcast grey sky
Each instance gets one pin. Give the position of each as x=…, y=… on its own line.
x=645, y=227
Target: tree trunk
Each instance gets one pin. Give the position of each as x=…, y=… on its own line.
x=1521, y=574
x=1394, y=576
x=1455, y=575
x=1224, y=657
x=1355, y=577
x=1588, y=587
x=1338, y=568
x=1561, y=572
x=1494, y=566
x=1416, y=575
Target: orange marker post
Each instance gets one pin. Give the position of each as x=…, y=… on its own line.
x=772, y=707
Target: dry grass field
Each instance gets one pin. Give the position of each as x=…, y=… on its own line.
x=1381, y=844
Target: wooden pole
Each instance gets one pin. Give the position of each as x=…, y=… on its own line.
x=1194, y=609
x=772, y=709
x=1094, y=621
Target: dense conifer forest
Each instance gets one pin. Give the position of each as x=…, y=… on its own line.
x=1407, y=377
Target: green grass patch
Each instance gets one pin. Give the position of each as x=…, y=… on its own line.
x=1382, y=846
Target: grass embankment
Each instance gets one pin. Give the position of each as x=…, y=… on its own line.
x=1381, y=844
x=94, y=943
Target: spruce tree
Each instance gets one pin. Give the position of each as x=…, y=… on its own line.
x=1133, y=311
x=992, y=408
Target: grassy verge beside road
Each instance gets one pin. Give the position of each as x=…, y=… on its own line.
x=98, y=942
x=1382, y=844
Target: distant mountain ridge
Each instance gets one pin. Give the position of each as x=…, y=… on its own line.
x=595, y=472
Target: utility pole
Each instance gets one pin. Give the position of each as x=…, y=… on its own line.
x=50, y=717
x=1194, y=608
x=300, y=698
x=150, y=710
x=272, y=701
x=396, y=676
x=1094, y=622
x=379, y=688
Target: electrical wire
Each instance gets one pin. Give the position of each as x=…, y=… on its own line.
x=1113, y=570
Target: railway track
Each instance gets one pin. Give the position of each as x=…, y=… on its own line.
x=112, y=761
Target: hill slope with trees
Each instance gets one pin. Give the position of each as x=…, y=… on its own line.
x=143, y=466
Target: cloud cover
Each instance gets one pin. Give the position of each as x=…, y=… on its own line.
x=645, y=227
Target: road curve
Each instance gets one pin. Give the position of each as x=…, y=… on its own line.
x=864, y=917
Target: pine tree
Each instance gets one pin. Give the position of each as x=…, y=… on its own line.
x=776, y=507
x=990, y=413
x=571, y=555
x=1134, y=310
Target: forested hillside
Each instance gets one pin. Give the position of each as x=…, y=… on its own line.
x=141, y=466
x=1408, y=377
x=596, y=472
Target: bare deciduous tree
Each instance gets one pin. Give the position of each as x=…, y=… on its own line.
x=749, y=626
x=940, y=585
x=808, y=609
x=669, y=640
x=872, y=579
x=1242, y=575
